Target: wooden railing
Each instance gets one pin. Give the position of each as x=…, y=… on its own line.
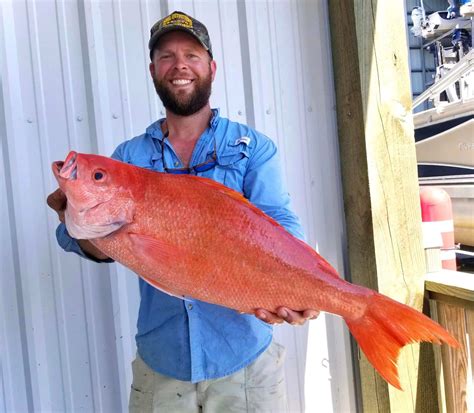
x=451, y=295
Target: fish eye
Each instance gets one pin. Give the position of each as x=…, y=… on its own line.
x=98, y=175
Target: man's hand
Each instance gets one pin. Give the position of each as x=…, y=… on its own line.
x=58, y=201
x=285, y=314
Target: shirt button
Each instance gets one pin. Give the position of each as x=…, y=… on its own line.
x=176, y=163
x=190, y=306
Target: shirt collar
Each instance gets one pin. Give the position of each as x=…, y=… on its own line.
x=154, y=130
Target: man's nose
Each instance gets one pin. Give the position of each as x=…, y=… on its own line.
x=180, y=62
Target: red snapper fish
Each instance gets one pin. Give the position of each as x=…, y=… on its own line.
x=192, y=237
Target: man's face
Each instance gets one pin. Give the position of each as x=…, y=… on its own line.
x=182, y=73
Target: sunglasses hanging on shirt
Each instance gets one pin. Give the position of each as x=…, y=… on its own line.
x=201, y=167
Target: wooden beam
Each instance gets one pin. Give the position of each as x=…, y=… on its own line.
x=452, y=293
x=451, y=283
x=380, y=183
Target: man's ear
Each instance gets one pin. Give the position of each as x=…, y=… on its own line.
x=152, y=69
x=213, y=69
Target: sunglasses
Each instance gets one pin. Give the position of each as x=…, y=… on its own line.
x=201, y=167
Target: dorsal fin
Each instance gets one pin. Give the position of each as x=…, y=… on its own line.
x=235, y=195
x=323, y=264
x=222, y=188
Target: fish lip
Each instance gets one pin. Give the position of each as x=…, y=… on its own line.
x=56, y=167
x=69, y=168
x=66, y=170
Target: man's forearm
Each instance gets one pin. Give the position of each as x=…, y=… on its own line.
x=91, y=250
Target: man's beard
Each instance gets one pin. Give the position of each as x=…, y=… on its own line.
x=188, y=104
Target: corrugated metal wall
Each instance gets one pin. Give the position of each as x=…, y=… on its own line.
x=74, y=75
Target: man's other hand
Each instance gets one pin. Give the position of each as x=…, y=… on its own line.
x=58, y=201
x=285, y=314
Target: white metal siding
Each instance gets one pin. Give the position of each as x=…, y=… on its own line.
x=74, y=75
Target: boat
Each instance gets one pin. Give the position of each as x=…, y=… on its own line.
x=444, y=131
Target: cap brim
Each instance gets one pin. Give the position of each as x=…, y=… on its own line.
x=154, y=39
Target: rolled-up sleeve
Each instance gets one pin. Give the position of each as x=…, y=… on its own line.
x=263, y=186
x=69, y=244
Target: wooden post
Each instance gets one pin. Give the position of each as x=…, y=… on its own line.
x=452, y=298
x=380, y=183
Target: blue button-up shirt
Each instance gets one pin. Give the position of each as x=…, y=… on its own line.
x=189, y=339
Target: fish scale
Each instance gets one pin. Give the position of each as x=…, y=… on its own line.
x=193, y=237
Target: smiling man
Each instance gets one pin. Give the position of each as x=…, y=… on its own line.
x=191, y=355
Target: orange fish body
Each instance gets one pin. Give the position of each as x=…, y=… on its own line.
x=193, y=237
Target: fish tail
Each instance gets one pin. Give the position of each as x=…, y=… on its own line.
x=386, y=327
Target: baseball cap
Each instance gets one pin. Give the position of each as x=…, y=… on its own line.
x=180, y=21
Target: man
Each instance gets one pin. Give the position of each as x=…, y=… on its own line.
x=191, y=354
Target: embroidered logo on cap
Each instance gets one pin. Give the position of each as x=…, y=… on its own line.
x=178, y=19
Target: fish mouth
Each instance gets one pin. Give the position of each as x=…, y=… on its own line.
x=66, y=170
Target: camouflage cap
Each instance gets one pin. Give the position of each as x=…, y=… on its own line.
x=180, y=21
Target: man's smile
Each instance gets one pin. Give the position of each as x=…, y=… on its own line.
x=181, y=82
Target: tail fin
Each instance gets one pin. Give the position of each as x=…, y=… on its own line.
x=386, y=327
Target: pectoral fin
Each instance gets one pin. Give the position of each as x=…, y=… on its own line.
x=161, y=252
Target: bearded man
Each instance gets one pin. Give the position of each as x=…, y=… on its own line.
x=191, y=355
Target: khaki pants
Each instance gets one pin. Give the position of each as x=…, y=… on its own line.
x=259, y=387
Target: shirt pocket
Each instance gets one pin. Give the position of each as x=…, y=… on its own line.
x=231, y=166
